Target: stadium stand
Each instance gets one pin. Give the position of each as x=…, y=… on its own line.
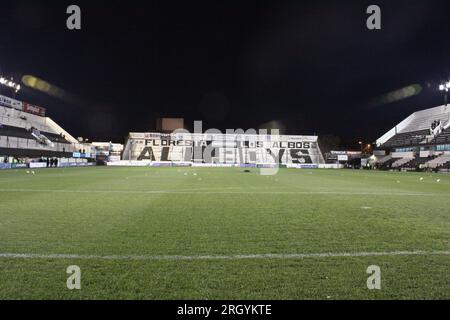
x=25, y=134
x=417, y=125
x=443, y=137
x=386, y=162
x=417, y=162
x=384, y=159
x=240, y=149
x=407, y=138
x=420, y=141
x=424, y=121
x=441, y=161
x=9, y=131
x=399, y=163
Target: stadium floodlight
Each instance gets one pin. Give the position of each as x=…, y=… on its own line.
x=10, y=83
x=445, y=87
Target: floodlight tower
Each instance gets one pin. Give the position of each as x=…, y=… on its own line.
x=445, y=87
x=10, y=84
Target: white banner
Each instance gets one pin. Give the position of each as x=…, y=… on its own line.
x=38, y=165
x=10, y=102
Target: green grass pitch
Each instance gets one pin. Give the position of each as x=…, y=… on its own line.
x=190, y=213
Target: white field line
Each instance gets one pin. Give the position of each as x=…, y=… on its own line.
x=404, y=194
x=219, y=257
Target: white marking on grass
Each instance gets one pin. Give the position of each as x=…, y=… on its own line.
x=220, y=257
x=193, y=191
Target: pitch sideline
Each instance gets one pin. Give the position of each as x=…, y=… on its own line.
x=279, y=256
x=405, y=194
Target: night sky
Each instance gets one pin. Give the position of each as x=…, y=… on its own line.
x=312, y=66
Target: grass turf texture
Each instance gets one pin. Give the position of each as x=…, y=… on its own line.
x=223, y=211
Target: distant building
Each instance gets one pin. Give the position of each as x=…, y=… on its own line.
x=168, y=125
